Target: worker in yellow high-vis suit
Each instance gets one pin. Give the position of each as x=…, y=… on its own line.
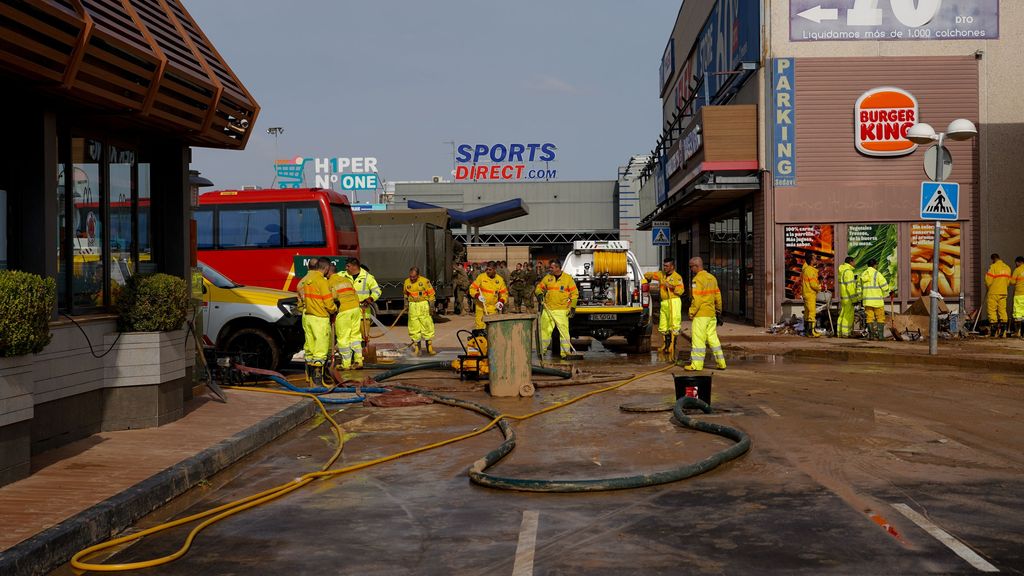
x=311, y=271
x=347, y=330
x=849, y=294
x=557, y=295
x=419, y=301
x=490, y=293
x=997, y=280
x=874, y=288
x=367, y=290
x=810, y=287
x=670, y=316
x=1017, y=281
x=705, y=308
x=316, y=322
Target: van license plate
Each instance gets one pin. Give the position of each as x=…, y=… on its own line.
x=604, y=317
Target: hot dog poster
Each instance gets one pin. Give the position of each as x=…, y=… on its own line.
x=922, y=238
x=817, y=239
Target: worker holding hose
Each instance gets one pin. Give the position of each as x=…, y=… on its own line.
x=419, y=301
x=672, y=289
x=490, y=292
x=366, y=289
x=705, y=308
x=997, y=280
x=557, y=295
x=316, y=322
x=1017, y=280
x=348, y=323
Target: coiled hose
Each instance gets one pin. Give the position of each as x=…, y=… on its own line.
x=447, y=365
x=478, y=476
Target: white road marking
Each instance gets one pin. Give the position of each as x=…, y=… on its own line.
x=961, y=549
x=527, y=544
x=767, y=410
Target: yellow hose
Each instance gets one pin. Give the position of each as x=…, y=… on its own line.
x=612, y=263
x=223, y=511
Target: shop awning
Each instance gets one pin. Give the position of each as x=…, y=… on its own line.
x=706, y=191
x=483, y=216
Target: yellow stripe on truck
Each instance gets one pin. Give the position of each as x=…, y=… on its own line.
x=608, y=310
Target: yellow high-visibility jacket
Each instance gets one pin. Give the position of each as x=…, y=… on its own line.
x=493, y=289
x=559, y=293
x=298, y=288
x=809, y=285
x=671, y=285
x=849, y=288
x=317, y=295
x=1018, y=281
x=874, y=288
x=707, y=298
x=364, y=283
x=344, y=293
x=998, y=278
x=419, y=291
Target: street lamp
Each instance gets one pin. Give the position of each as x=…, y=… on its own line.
x=959, y=129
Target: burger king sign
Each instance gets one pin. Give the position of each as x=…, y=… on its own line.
x=882, y=117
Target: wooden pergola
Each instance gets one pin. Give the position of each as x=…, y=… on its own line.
x=146, y=59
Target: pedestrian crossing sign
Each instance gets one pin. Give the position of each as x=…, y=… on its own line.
x=660, y=235
x=940, y=201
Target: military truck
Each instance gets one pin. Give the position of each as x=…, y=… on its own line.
x=392, y=241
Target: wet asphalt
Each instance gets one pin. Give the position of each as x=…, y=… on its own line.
x=838, y=451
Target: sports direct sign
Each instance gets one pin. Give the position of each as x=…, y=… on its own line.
x=882, y=117
x=503, y=161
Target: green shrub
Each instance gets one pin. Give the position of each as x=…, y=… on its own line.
x=27, y=302
x=153, y=303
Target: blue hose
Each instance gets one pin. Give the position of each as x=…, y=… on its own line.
x=322, y=390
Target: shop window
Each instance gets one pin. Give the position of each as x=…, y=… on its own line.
x=304, y=226
x=249, y=227
x=88, y=238
x=144, y=228
x=121, y=216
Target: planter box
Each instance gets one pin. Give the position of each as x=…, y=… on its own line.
x=16, y=410
x=144, y=376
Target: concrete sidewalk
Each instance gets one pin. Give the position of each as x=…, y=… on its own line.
x=90, y=490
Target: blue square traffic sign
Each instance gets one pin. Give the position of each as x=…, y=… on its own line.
x=661, y=234
x=940, y=201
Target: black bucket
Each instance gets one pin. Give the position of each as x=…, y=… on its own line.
x=701, y=383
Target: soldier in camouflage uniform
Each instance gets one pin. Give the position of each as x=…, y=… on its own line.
x=517, y=287
x=461, y=281
x=531, y=277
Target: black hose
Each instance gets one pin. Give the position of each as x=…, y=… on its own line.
x=447, y=364
x=478, y=476
x=550, y=371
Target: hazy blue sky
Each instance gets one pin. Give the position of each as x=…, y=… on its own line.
x=397, y=79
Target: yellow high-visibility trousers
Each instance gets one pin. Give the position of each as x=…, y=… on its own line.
x=997, y=307
x=549, y=320
x=670, y=318
x=348, y=336
x=844, y=324
x=705, y=335
x=318, y=337
x=421, y=325
x=873, y=314
x=810, y=311
x=482, y=310
x=1018, y=307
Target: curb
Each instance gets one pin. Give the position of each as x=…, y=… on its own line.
x=846, y=355
x=55, y=546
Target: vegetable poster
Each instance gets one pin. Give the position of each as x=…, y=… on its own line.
x=879, y=241
x=816, y=239
x=922, y=238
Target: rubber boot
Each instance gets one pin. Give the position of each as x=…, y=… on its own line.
x=1004, y=330
x=318, y=374
x=811, y=332
x=415, y=348
x=430, y=348
x=667, y=343
x=309, y=374
x=881, y=331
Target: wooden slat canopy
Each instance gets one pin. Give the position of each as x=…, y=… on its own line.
x=145, y=58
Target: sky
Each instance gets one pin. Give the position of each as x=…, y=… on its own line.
x=400, y=80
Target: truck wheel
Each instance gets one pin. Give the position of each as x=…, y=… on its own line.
x=640, y=342
x=255, y=346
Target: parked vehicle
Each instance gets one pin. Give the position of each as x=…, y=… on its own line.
x=260, y=325
x=614, y=299
x=392, y=241
x=253, y=236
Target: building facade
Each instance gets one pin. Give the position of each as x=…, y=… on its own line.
x=94, y=172
x=828, y=103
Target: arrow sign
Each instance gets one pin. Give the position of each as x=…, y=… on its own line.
x=940, y=201
x=817, y=14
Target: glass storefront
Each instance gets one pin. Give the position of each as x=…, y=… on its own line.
x=731, y=260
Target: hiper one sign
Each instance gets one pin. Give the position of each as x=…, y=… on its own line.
x=882, y=117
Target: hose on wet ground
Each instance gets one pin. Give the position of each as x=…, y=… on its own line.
x=447, y=365
x=223, y=511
